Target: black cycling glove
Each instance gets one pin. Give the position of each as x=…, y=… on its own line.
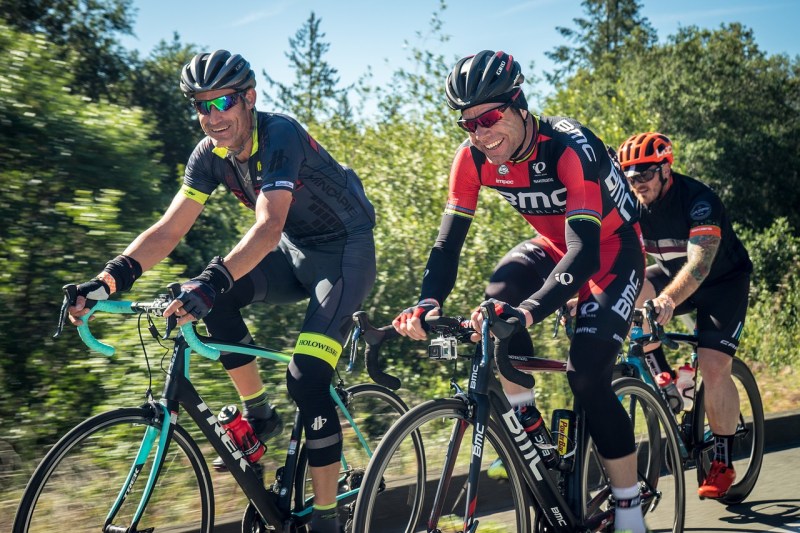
x=198, y=294
x=117, y=276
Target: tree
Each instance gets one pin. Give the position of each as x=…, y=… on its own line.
x=314, y=89
x=86, y=30
x=599, y=37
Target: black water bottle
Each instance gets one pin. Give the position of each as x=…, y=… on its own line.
x=534, y=426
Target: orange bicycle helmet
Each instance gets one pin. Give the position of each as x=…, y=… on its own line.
x=642, y=148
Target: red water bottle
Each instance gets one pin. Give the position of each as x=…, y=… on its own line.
x=532, y=421
x=241, y=432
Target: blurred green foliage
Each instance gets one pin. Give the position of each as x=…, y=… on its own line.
x=83, y=172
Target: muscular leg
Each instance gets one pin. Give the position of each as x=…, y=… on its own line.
x=246, y=379
x=721, y=397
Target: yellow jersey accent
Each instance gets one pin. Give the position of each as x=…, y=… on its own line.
x=319, y=345
x=199, y=197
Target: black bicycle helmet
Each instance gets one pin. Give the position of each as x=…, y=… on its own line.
x=483, y=78
x=214, y=71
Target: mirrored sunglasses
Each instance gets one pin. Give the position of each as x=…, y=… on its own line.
x=484, y=120
x=222, y=103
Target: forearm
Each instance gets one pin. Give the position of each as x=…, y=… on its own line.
x=700, y=255
x=152, y=246
x=252, y=248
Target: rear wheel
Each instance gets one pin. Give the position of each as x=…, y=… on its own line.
x=658, y=462
x=748, y=446
x=394, y=498
x=77, y=483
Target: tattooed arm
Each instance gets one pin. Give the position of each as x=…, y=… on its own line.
x=700, y=253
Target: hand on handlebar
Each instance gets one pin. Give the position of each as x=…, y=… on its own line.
x=92, y=290
x=665, y=307
x=411, y=321
x=502, y=310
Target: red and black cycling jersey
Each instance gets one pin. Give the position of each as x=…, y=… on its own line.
x=690, y=208
x=569, y=189
x=328, y=202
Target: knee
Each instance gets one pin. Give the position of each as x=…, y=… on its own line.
x=648, y=292
x=308, y=380
x=715, y=366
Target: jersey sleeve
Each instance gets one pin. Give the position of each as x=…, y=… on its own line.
x=582, y=234
x=284, y=155
x=198, y=178
x=705, y=215
x=441, y=270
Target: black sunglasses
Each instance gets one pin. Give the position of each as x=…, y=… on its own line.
x=646, y=176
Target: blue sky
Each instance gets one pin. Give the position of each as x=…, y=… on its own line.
x=375, y=32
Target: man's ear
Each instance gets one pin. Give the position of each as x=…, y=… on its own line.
x=250, y=97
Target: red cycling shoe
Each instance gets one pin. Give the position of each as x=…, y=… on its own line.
x=719, y=480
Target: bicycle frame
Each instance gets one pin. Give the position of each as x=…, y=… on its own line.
x=275, y=507
x=485, y=395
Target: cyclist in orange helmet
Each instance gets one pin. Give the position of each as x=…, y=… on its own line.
x=701, y=265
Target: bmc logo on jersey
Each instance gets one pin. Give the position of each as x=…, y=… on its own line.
x=536, y=200
x=565, y=126
x=620, y=194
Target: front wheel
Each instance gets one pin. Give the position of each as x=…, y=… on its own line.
x=748, y=444
x=439, y=503
x=658, y=459
x=76, y=485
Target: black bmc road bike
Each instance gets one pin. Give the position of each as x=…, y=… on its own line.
x=691, y=424
x=138, y=469
x=574, y=496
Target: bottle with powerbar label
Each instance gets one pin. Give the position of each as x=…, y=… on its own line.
x=563, y=426
x=531, y=419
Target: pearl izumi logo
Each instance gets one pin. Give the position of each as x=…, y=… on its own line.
x=318, y=423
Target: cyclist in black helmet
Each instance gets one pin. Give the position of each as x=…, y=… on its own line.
x=311, y=239
x=560, y=177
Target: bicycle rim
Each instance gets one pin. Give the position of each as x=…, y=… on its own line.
x=79, y=479
x=748, y=446
x=384, y=504
x=374, y=409
x=657, y=456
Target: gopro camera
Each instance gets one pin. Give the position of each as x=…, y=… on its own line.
x=443, y=348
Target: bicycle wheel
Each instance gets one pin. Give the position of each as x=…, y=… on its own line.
x=374, y=409
x=748, y=446
x=78, y=481
x=657, y=456
x=383, y=504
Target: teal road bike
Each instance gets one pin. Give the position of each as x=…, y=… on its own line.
x=139, y=469
x=691, y=425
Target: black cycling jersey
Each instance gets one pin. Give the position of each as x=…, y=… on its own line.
x=691, y=208
x=329, y=201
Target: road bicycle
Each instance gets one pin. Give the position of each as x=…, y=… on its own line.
x=691, y=425
x=574, y=496
x=138, y=469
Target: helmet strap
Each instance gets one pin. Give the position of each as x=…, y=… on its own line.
x=527, y=151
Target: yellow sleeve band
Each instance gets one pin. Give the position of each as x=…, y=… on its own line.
x=318, y=345
x=194, y=194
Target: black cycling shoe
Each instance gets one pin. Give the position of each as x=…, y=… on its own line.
x=264, y=429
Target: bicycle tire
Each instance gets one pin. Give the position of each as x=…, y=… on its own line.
x=748, y=447
x=658, y=460
x=379, y=508
x=78, y=480
x=375, y=409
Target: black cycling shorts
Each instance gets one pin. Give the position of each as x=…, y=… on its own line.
x=721, y=309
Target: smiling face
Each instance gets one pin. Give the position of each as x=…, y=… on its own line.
x=231, y=128
x=500, y=141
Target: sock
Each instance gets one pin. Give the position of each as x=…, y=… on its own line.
x=722, y=449
x=256, y=406
x=325, y=519
x=628, y=512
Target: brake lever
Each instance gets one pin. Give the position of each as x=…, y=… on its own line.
x=172, y=320
x=70, y=297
